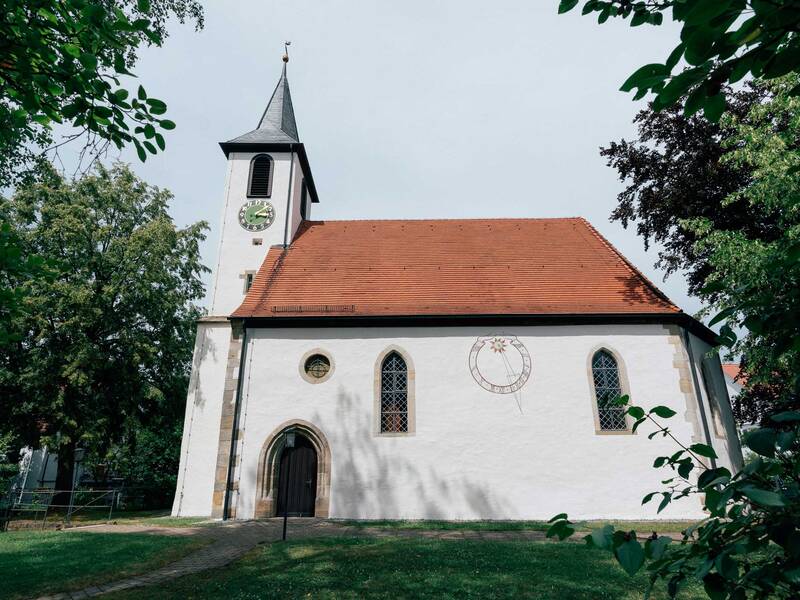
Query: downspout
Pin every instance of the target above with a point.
(288, 198)
(688, 342)
(236, 405)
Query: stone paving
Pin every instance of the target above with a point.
(232, 540)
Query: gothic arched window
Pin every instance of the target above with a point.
(607, 388)
(394, 394)
(260, 183)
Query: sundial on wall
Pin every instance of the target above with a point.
(500, 363)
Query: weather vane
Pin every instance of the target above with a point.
(286, 45)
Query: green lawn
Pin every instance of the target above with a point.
(412, 568)
(159, 518)
(641, 527)
(33, 563)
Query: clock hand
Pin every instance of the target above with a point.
(261, 213)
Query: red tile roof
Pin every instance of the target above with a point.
(732, 371)
(449, 267)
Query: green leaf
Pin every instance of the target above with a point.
(143, 5)
(663, 412)
(646, 77)
(71, 49)
(141, 93)
(558, 517)
(665, 501)
(786, 417)
(714, 585)
(761, 441)
(654, 549)
(685, 468)
(89, 61)
(703, 450)
(713, 477)
(566, 6)
(727, 567)
(714, 107)
(160, 141)
(630, 556)
(648, 497)
(560, 529)
(602, 537)
(763, 497)
(166, 124)
(722, 315)
(637, 412)
(139, 150)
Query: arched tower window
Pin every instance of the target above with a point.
(607, 388)
(260, 183)
(394, 394)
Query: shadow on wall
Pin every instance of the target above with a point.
(369, 483)
(205, 347)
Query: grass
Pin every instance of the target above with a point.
(639, 526)
(33, 563)
(413, 568)
(157, 518)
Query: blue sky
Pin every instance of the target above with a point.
(415, 109)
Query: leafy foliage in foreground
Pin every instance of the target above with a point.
(749, 546)
(61, 62)
(722, 41)
(104, 344)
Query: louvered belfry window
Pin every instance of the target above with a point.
(605, 373)
(260, 184)
(394, 394)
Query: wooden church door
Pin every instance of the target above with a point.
(297, 479)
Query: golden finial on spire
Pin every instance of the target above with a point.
(286, 51)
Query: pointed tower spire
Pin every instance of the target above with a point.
(277, 124)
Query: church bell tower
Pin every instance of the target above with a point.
(268, 193)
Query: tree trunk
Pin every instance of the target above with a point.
(65, 474)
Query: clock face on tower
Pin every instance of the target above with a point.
(256, 215)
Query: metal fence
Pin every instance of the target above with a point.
(37, 506)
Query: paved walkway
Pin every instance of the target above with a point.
(232, 540)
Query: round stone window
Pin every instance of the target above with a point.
(316, 367)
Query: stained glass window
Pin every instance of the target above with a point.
(394, 394)
(607, 389)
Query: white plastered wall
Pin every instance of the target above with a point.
(474, 454)
(720, 426)
(236, 251)
(195, 483)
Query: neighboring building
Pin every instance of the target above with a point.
(733, 382)
(445, 369)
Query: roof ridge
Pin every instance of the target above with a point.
(628, 263)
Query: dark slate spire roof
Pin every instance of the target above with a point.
(277, 124)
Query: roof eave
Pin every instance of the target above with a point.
(681, 319)
(298, 147)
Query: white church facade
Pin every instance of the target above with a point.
(429, 369)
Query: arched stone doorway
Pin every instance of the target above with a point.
(308, 439)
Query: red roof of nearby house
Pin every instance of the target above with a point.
(732, 371)
(449, 267)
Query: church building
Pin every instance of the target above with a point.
(429, 369)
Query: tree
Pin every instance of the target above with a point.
(106, 339)
(675, 170)
(748, 546)
(687, 178)
(721, 41)
(63, 61)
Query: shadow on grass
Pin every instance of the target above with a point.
(414, 568)
(37, 562)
